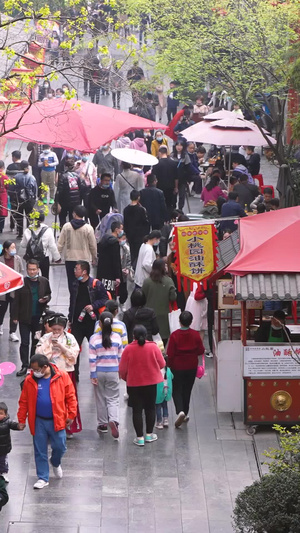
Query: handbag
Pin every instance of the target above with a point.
(158, 341)
(201, 369)
(174, 317)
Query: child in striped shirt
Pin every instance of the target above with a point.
(105, 350)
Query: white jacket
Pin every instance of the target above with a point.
(48, 241)
(144, 264)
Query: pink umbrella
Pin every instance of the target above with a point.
(218, 115)
(227, 132)
(71, 124)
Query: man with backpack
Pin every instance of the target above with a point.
(29, 304)
(70, 191)
(88, 296)
(22, 194)
(39, 242)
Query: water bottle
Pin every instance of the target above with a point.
(82, 315)
(92, 315)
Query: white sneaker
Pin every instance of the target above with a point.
(5, 477)
(1, 329)
(209, 355)
(57, 471)
(13, 337)
(40, 484)
(180, 418)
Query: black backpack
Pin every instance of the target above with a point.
(34, 248)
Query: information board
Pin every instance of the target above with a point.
(271, 361)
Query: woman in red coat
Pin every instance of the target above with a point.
(3, 196)
(140, 366)
(184, 347)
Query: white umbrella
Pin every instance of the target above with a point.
(135, 157)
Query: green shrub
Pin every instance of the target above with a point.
(287, 457)
(270, 505)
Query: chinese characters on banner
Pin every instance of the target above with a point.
(196, 251)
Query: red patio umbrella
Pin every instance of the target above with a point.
(10, 280)
(267, 243)
(71, 124)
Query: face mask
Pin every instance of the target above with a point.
(46, 85)
(146, 134)
(105, 186)
(12, 253)
(120, 234)
(47, 151)
(32, 277)
(84, 159)
(69, 154)
(26, 171)
(277, 328)
(156, 243)
(159, 139)
(80, 278)
(38, 374)
(105, 148)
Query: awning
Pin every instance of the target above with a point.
(227, 250)
(267, 287)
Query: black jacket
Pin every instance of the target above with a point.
(247, 193)
(263, 332)
(144, 316)
(136, 223)
(97, 292)
(5, 441)
(70, 189)
(154, 202)
(3, 493)
(22, 305)
(102, 199)
(109, 262)
(253, 164)
(166, 173)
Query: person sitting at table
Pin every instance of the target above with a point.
(232, 208)
(264, 198)
(273, 330)
(246, 192)
(212, 190)
(239, 169)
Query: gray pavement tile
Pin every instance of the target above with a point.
(111, 525)
(40, 528)
(220, 526)
(225, 434)
(115, 486)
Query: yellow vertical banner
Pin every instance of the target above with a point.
(196, 251)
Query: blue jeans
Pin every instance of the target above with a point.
(44, 431)
(161, 407)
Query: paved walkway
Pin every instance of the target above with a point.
(185, 482)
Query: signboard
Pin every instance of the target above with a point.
(270, 361)
(196, 250)
(227, 300)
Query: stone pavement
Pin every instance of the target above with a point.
(185, 482)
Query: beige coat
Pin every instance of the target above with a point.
(77, 244)
(64, 359)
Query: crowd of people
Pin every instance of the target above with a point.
(115, 217)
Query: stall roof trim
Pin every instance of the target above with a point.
(227, 250)
(267, 287)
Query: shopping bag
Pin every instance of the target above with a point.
(201, 369)
(158, 341)
(174, 317)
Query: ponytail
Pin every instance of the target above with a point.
(106, 320)
(140, 334)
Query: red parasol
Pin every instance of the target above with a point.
(71, 124)
(10, 280)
